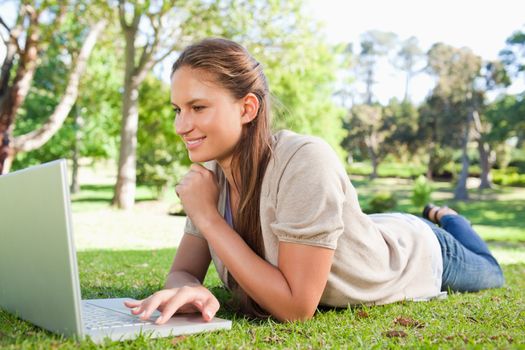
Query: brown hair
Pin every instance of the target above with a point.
(233, 68)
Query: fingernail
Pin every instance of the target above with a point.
(208, 313)
(158, 320)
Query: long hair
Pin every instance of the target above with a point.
(233, 68)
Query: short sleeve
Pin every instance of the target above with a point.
(310, 197)
(191, 229)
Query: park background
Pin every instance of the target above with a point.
(415, 113)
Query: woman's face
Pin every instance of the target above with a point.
(208, 118)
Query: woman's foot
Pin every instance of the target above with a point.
(435, 213)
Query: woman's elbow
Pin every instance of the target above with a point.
(298, 313)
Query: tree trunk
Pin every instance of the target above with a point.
(13, 99)
(375, 164)
(75, 185)
(37, 138)
(430, 161)
(460, 192)
(484, 160)
(407, 84)
(369, 82)
(125, 187)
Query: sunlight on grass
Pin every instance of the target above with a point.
(508, 256)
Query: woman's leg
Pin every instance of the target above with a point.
(459, 227)
(468, 265)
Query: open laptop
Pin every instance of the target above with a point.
(38, 267)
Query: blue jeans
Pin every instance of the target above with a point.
(468, 264)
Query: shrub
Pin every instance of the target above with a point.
(382, 202)
(421, 192)
(504, 177)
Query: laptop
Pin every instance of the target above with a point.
(39, 279)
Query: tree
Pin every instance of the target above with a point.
(493, 76)
(408, 58)
(456, 71)
(513, 55)
(365, 130)
(34, 27)
(138, 62)
(374, 45)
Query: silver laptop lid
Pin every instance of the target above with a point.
(38, 267)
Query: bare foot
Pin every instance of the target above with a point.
(436, 213)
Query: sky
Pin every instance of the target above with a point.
(481, 25)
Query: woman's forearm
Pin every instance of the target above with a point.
(178, 279)
(264, 282)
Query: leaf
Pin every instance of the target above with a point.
(175, 341)
(362, 314)
(395, 334)
(408, 322)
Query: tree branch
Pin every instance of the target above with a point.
(37, 138)
(4, 25)
(122, 15)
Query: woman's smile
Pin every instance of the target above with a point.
(193, 143)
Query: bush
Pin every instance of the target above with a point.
(421, 192)
(382, 202)
(508, 177)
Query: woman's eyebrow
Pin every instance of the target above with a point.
(189, 102)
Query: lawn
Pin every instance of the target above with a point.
(488, 319)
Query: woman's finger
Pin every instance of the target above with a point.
(185, 295)
(135, 306)
(210, 308)
(132, 303)
(151, 305)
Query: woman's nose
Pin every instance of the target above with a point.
(183, 123)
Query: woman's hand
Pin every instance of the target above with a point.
(186, 299)
(199, 194)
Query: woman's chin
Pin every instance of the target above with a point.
(196, 158)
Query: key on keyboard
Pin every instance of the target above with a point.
(98, 318)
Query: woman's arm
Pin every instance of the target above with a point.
(292, 290)
(190, 263)
(183, 291)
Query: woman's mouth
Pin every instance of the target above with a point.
(192, 144)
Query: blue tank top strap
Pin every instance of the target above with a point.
(228, 209)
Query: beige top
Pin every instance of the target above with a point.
(307, 198)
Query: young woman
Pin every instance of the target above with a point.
(279, 217)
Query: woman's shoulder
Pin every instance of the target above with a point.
(304, 155)
(287, 143)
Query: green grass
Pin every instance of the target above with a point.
(492, 318)
(94, 197)
(488, 319)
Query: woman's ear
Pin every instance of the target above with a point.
(250, 108)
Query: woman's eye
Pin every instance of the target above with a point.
(198, 108)
(176, 110)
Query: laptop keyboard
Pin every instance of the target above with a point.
(100, 318)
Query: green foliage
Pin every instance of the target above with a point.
(388, 168)
(441, 160)
(508, 177)
(513, 55)
(300, 67)
(421, 192)
(505, 116)
(162, 158)
(98, 104)
(381, 202)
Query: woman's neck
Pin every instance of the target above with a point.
(226, 166)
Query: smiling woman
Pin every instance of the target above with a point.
(279, 217)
